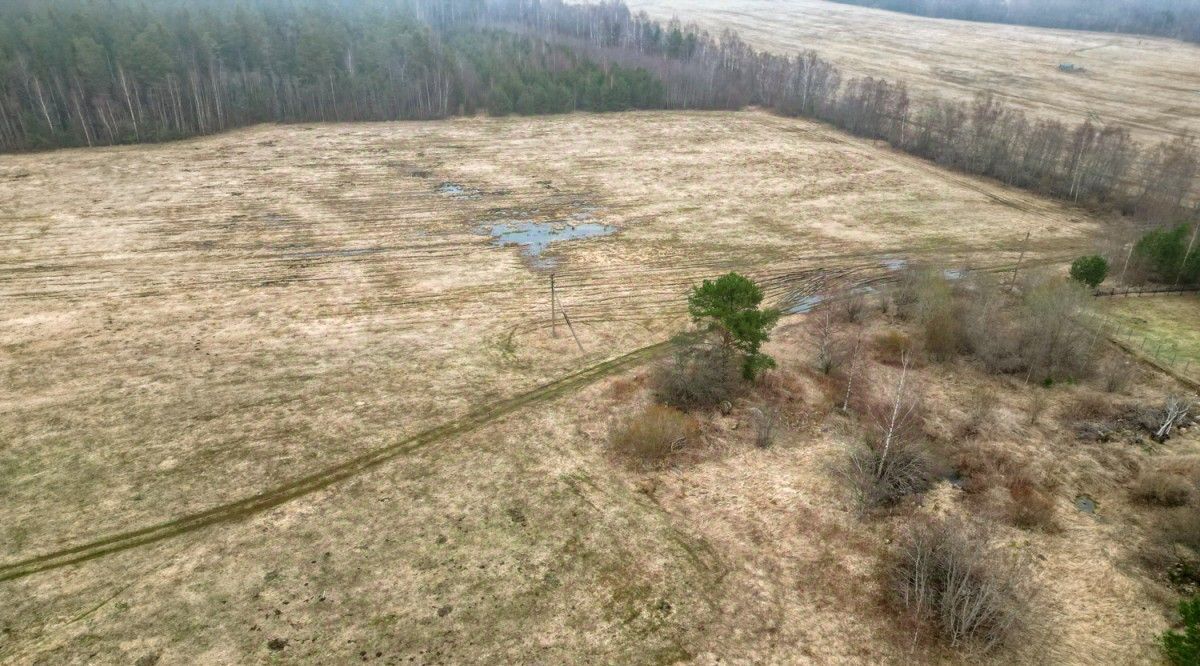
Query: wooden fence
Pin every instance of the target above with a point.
(1146, 291)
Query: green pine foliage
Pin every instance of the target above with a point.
(1183, 647)
(729, 305)
(1090, 270)
(1168, 255)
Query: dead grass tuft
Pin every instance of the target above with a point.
(1029, 507)
(1163, 489)
(624, 388)
(1090, 406)
(1182, 528)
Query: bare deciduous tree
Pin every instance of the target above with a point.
(828, 351)
(855, 355)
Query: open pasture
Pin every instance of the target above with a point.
(193, 325)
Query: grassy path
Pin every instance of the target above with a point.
(272, 497)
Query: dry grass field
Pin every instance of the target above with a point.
(290, 365)
(1150, 85)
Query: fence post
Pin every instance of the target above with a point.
(553, 314)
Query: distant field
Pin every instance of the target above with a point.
(1150, 85)
(190, 324)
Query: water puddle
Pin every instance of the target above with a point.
(805, 304)
(534, 238)
(954, 273)
(1085, 504)
(894, 264)
(456, 191)
(955, 479)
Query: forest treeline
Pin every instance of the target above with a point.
(92, 72)
(1086, 163)
(1179, 19)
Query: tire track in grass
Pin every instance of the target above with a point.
(305, 485)
(792, 286)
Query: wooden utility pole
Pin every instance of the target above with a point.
(1187, 255)
(1128, 256)
(1024, 246)
(568, 320)
(553, 312)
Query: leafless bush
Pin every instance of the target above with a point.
(698, 377)
(927, 298)
(1057, 344)
(1114, 373)
(1039, 333)
(891, 347)
(896, 413)
(1089, 406)
(943, 331)
(828, 350)
(983, 466)
(918, 290)
(1163, 489)
(947, 575)
(765, 418)
(893, 464)
(652, 436)
(979, 409)
(852, 308)
(881, 478)
(1039, 400)
(990, 331)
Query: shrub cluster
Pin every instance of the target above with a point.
(1037, 331)
(699, 376)
(653, 435)
(883, 477)
(947, 576)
